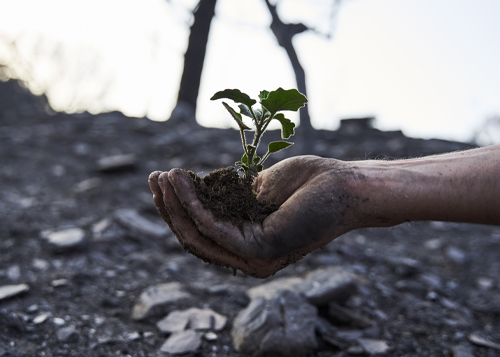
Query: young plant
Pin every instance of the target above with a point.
(271, 104)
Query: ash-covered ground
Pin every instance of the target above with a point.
(80, 241)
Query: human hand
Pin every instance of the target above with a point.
(315, 207)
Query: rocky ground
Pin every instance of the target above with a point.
(87, 268)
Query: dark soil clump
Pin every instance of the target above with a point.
(230, 197)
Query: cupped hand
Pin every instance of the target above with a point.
(315, 207)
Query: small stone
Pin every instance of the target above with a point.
(65, 333)
(32, 308)
(65, 238)
(7, 291)
(40, 264)
(481, 341)
(355, 350)
(41, 318)
(405, 267)
(58, 321)
(433, 244)
(283, 325)
(14, 272)
(194, 319)
(132, 336)
(59, 282)
(372, 346)
(117, 163)
(131, 219)
(461, 351)
(182, 342)
(87, 185)
(456, 254)
(156, 295)
(210, 336)
(485, 283)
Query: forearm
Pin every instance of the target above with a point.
(459, 187)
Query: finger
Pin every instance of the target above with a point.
(201, 246)
(158, 197)
(225, 234)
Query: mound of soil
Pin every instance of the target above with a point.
(230, 197)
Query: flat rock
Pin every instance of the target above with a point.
(319, 287)
(373, 347)
(65, 238)
(281, 326)
(272, 289)
(345, 315)
(117, 163)
(182, 342)
(156, 295)
(131, 219)
(7, 291)
(322, 286)
(194, 319)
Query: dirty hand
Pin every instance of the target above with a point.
(314, 208)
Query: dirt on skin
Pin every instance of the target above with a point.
(230, 197)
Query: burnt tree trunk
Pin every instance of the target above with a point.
(284, 34)
(193, 62)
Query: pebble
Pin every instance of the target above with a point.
(65, 333)
(117, 163)
(156, 295)
(131, 219)
(41, 318)
(455, 254)
(210, 336)
(40, 264)
(285, 323)
(7, 291)
(481, 341)
(373, 347)
(65, 238)
(58, 321)
(14, 272)
(87, 185)
(182, 342)
(194, 319)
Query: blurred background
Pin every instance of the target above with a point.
(429, 68)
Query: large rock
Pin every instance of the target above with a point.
(281, 326)
(319, 287)
(156, 295)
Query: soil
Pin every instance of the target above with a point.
(230, 197)
(427, 286)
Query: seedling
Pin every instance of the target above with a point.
(271, 104)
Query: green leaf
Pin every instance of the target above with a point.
(245, 110)
(287, 126)
(235, 95)
(256, 159)
(236, 116)
(263, 95)
(259, 168)
(281, 99)
(244, 159)
(276, 146)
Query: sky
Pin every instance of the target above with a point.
(427, 67)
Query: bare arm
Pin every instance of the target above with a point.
(321, 199)
(458, 187)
